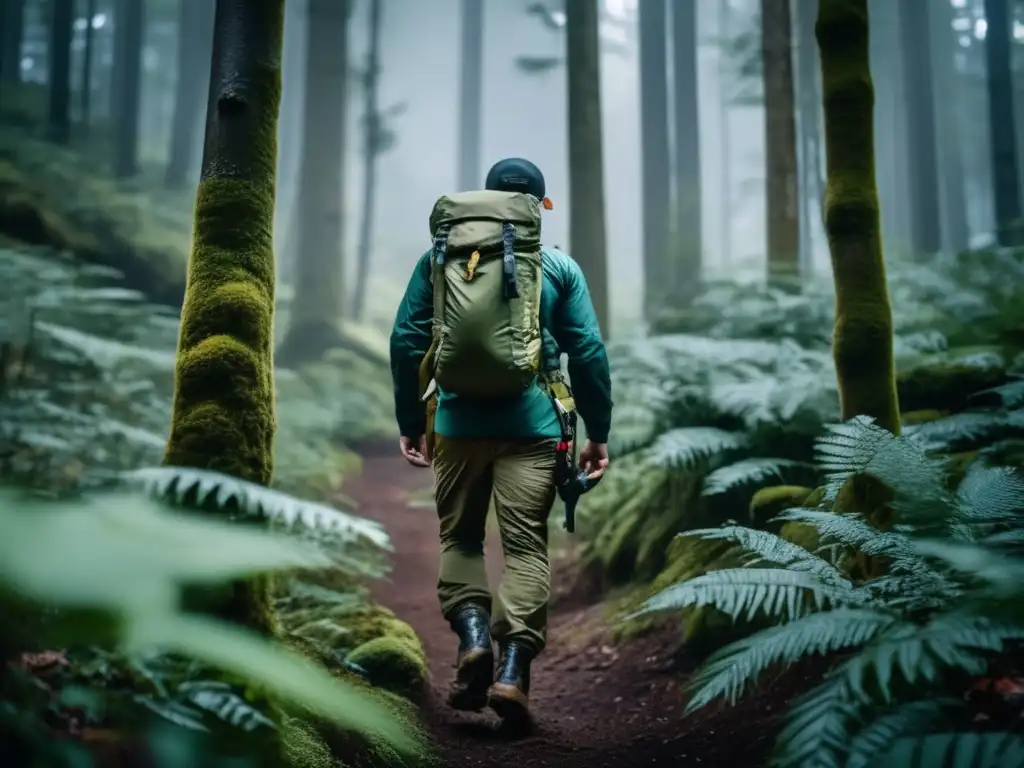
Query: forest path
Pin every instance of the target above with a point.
(596, 705)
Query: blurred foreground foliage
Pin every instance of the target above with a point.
(100, 543)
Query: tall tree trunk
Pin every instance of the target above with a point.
(223, 413)
(62, 16)
(372, 133)
(892, 155)
(725, 139)
(129, 29)
(195, 27)
(587, 233)
(948, 139)
(783, 208)
(923, 171)
(471, 85)
(688, 238)
(863, 335)
(654, 150)
(12, 31)
(85, 95)
(812, 182)
(1005, 165)
(318, 311)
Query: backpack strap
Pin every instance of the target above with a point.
(508, 240)
(437, 259)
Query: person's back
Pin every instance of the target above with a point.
(501, 449)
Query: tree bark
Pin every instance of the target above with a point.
(371, 151)
(223, 412)
(129, 28)
(471, 85)
(948, 138)
(863, 335)
(725, 118)
(812, 182)
(12, 31)
(195, 22)
(655, 169)
(782, 190)
(688, 236)
(1001, 120)
(318, 311)
(587, 233)
(85, 95)
(923, 171)
(61, 19)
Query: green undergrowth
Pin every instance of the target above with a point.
(86, 370)
(716, 418)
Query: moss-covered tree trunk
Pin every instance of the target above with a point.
(782, 190)
(223, 417)
(318, 309)
(587, 235)
(62, 16)
(862, 341)
(195, 19)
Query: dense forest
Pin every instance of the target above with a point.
(801, 226)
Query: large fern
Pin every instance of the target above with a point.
(944, 605)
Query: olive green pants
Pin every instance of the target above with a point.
(519, 475)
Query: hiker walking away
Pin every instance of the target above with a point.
(478, 393)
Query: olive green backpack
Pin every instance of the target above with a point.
(486, 276)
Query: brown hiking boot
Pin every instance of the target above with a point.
(475, 662)
(509, 696)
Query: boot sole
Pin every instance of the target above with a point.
(472, 679)
(509, 703)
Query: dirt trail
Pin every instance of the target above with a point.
(597, 705)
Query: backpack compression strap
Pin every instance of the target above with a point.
(508, 240)
(437, 267)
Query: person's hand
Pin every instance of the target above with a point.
(594, 459)
(414, 450)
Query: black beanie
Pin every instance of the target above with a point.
(514, 174)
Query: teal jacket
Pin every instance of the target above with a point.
(569, 325)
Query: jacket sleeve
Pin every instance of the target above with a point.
(578, 335)
(410, 340)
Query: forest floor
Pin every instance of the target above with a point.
(596, 703)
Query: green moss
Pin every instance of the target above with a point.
(802, 535)
(356, 751)
(924, 416)
(863, 333)
(768, 503)
(303, 746)
(944, 381)
(394, 664)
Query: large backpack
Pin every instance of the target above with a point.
(486, 276)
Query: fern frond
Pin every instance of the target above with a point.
(728, 671)
(734, 591)
(847, 448)
(1009, 395)
(687, 446)
(991, 495)
(903, 720)
(770, 548)
(747, 471)
(818, 727)
(954, 750)
(967, 428)
(918, 654)
(180, 483)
